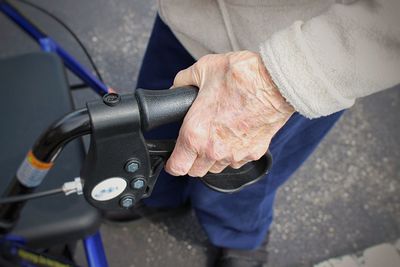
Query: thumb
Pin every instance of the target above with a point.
(185, 77)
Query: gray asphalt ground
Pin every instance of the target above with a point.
(344, 199)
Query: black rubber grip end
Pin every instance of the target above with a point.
(159, 107)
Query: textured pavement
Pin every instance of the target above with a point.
(387, 255)
(345, 199)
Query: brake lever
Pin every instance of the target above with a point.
(230, 180)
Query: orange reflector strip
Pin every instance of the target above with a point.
(37, 163)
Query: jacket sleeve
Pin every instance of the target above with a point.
(322, 65)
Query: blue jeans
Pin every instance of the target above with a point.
(240, 220)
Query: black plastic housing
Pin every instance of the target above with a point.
(116, 139)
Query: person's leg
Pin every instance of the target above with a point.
(241, 220)
(238, 220)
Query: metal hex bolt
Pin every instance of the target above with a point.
(127, 202)
(132, 166)
(138, 183)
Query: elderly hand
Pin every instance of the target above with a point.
(234, 117)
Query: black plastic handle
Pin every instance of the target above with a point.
(159, 107)
(232, 180)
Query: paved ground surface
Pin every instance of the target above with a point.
(380, 255)
(343, 200)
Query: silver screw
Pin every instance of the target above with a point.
(132, 166)
(127, 202)
(138, 183)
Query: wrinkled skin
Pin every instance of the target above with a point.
(234, 117)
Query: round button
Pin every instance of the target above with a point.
(111, 99)
(109, 189)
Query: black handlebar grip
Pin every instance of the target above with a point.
(159, 107)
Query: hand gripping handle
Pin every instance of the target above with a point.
(158, 107)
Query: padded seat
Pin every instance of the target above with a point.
(34, 93)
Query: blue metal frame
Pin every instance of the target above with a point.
(95, 255)
(47, 44)
(94, 250)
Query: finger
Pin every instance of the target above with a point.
(238, 165)
(200, 167)
(181, 159)
(185, 77)
(219, 167)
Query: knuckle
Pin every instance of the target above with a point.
(190, 138)
(211, 154)
(214, 154)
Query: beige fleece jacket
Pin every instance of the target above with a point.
(322, 54)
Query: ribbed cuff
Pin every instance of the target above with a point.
(298, 77)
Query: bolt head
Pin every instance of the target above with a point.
(111, 99)
(138, 183)
(127, 202)
(132, 166)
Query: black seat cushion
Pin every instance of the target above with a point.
(34, 94)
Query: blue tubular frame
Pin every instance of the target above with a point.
(47, 44)
(94, 250)
(93, 245)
